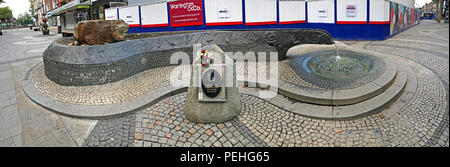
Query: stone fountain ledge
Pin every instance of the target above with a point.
(101, 64)
(404, 86)
(88, 108)
(397, 81)
(343, 96)
(393, 87)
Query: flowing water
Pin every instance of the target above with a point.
(337, 52)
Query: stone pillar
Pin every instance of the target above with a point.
(213, 96)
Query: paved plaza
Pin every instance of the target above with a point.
(418, 118)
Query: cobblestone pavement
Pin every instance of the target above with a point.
(260, 122)
(111, 93)
(116, 132)
(426, 44)
(422, 121)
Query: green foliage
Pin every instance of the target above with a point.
(5, 13)
(31, 10)
(25, 19)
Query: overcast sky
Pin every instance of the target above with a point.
(421, 2)
(17, 6)
(22, 6)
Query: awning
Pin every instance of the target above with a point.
(68, 6)
(64, 8)
(104, 2)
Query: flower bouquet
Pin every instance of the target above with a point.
(45, 30)
(203, 59)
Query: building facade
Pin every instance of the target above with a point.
(343, 19)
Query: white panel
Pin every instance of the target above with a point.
(292, 10)
(387, 8)
(326, 6)
(260, 11)
(230, 11)
(111, 14)
(358, 14)
(154, 14)
(130, 15)
(378, 10)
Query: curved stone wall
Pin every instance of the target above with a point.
(101, 64)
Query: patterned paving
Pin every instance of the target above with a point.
(262, 123)
(102, 94)
(422, 121)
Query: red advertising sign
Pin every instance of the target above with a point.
(186, 13)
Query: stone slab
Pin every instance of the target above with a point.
(387, 78)
(390, 64)
(59, 138)
(375, 104)
(15, 141)
(7, 98)
(9, 122)
(6, 81)
(411, 84)
(78, 129)
(304, 94)
(356, 95)
(311, 110)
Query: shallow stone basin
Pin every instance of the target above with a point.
(330, 70)
(345, 66)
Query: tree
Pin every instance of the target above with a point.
(1, 1)
(31, 7)
(5, 14)
(25, 19)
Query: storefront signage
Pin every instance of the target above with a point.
(223, 13)
(322, 12)
(111, 14)
(186, 13)
(83, 6)
(350, 11)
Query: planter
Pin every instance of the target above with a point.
(45, 32)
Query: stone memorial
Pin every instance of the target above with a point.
(213, 96)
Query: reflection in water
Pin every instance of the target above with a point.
(336, 66)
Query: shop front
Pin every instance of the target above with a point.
(70, 14)
(99, 7)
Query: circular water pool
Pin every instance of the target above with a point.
(346, 66)
(327, 69)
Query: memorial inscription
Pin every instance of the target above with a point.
(212, 83)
